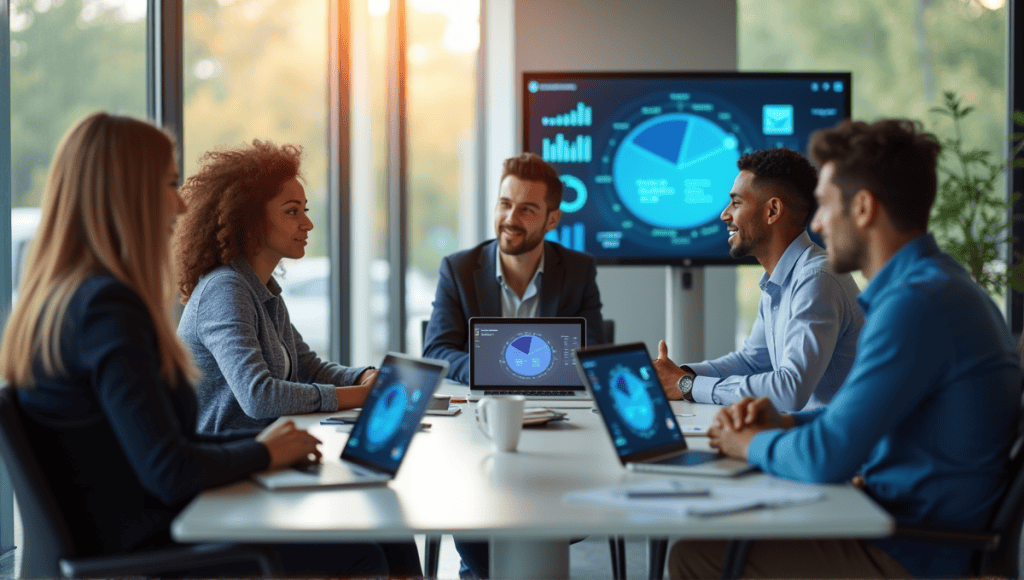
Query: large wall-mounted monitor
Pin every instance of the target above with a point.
(648, 159)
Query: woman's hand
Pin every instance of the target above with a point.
(368, 377)
(289, 445)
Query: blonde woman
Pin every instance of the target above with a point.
(102, 380)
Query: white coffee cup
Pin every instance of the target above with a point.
(501, 420)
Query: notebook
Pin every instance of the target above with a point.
(380, 437)
(526, 356)
(638, 416)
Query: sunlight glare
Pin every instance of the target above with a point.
(462, 35)
(378, 7)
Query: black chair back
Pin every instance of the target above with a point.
(1008, 519)
(46, 538)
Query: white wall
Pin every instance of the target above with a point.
(596, 35)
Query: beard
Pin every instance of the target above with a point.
(526, 244)
(845, 253)
(741, 249)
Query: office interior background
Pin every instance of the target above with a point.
(406, 108)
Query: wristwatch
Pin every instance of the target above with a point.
(685, 385)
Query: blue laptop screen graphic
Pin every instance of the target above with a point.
(627, 392)
(393, 411)
(525, 355)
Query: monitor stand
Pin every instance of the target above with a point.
(684, 324)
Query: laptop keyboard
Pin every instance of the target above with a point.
(532, 393)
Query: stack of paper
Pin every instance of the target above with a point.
(686, 498)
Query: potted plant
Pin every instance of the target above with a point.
(969, 218)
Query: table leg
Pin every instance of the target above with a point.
(529, 558)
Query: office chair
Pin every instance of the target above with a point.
(48, 551)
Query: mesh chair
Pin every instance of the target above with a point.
(48, 551)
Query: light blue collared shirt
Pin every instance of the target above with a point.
(803, 342)
(512, 306)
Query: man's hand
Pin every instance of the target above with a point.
(736, 425)
(668, 373)
(749, 411)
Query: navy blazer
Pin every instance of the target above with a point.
(467, 287)
(117, 446)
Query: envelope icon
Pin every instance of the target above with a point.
(778, 120)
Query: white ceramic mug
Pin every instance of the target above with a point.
(501, 420)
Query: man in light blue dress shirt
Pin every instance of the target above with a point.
(926, 418)
(804, 340)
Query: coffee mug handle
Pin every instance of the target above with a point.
(481, 417)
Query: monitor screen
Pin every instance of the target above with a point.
(648, 159)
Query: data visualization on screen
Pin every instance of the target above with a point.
(648, 159)
(626, 389)
(530, 353)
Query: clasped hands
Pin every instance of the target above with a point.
(735, 426)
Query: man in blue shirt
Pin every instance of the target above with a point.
(925, 419)
(804, 340)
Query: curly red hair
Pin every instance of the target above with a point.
(225, 201)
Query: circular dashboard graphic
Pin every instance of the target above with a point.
(528, 356)
(676, 170)
(386, 416)
(632, 402)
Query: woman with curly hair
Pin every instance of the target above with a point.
(247, 211)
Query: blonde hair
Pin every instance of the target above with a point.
(104, 211)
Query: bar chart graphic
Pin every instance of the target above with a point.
(572, 237)
(581, 116)
(561, 150)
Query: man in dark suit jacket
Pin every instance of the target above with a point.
(516, 275)
(534, 277)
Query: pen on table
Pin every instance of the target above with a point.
(730, 511)
(686, 414)
(667, 494)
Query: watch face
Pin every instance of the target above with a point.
(686, 384)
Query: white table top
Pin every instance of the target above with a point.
(451, 482)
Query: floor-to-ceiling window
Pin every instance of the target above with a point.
(257, 69)
(442, 38)
(69, 58)
(904, 54)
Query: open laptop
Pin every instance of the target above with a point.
(639, 419)
(526, 356)
(380, 437)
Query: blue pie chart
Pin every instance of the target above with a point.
(386, 415)
(632, 402)
(528, 355)
(676, 170)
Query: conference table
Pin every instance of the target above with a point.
(453, 482)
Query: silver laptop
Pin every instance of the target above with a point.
(526, 356)
(638, 416)
(380, 437)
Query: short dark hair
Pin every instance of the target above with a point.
(530, 167)
(789, 173)
(894, 159)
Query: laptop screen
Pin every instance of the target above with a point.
(392, 412)
(525, 352)
(629, 397)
